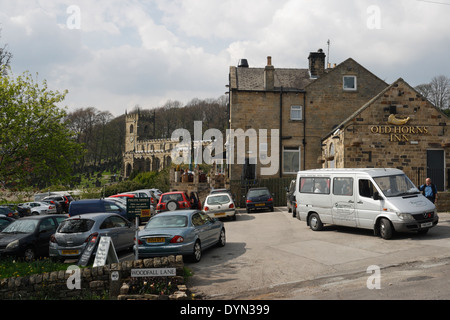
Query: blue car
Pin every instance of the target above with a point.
(181, 232)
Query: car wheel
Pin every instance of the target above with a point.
(172, 205)
(197, 254)
(35, 213)
(222, 238)
(385, 229)
(315, 223)
(29, 254)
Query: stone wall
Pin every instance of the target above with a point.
(95, 281)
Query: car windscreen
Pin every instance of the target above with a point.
(258, 193)
(76, 225)
(21, 226)
(161, 221)
(396, 185)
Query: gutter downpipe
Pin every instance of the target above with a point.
(280, 174)
(304, 131)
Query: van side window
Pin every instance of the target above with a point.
(365, 188)
(315, 185)
(343, 186)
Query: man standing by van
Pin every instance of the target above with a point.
(429, 190)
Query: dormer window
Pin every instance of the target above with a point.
(349, 83)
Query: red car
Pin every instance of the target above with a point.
(175, 200)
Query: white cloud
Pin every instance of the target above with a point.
(147, 52)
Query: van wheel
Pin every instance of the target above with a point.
(315, 223)
(386, 229)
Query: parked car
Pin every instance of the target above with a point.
(7, 211)
(64, 200)
(58, 206)
(5, 221)
(184, 232)
(290, 198)
(146, 193)
(80, 207)
(157, 193)
(220, 205)
(38, 208)
(75, 233)
(123, 196)
(259, 198)
(171, 201)
(28, 237)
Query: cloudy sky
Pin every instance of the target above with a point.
(113, 54)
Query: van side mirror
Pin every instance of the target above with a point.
(376, 196)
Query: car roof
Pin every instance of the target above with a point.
(93, 216)
(44, 216)
(218, 194)
(177, 213)
(173, 192)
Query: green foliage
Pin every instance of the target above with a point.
(143, 180)
(34, 139)
(10, 267)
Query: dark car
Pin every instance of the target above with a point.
(7, 211)
(258, 199)
(290, 198)
(29, 237)
(5, 221)
(59, 208)
(79, 207)
(64, 200)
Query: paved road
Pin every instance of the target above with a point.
(270, 255)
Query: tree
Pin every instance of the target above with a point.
(36, 146)
(5, 59)
(437, 91)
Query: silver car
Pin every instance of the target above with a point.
(75, 233)
(37, 207)
(220, 205)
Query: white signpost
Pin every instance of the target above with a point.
(105, 252)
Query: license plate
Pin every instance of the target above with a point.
(70, 252)
(260, 205)
(156, 240)
(426, 224)
(219, 214)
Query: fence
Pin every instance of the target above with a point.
(277, 187)
(437, 177)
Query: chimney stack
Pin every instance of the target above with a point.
(269, 75)
(316, 63)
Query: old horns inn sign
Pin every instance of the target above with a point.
(398, 130)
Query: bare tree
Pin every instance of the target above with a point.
(437, 91)
(5, 60)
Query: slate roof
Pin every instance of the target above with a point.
(252, 79)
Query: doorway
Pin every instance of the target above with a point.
(436, 168)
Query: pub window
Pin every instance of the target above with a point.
(296, 113)
(291, 159)
(349, 83)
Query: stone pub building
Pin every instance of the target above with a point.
(340, 116)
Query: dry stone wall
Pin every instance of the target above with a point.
(94, 282)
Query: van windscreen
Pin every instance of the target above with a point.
(396, 185)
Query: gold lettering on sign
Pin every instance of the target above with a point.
(399, 132)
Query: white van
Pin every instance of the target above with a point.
(384, 200)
